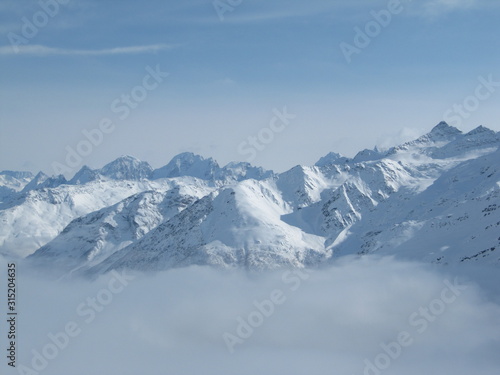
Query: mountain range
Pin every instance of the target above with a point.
(434, 199)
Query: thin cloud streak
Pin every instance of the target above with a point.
(41, 50)
(434, 8)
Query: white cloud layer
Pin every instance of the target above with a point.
(41, 50)
(329, 323)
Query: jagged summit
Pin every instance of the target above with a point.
(440, 133)
(239, 171)
(480, 138)
(368, 155)
(126, 168)
(85, 175)
(41, 180)
(192, 165)
(328, 159)
(443, 130)
(481, 130)
(188, 164)
(443, 127)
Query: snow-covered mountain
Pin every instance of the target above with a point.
(35, 209)
(456, 219)
(97, 235)
(434, 199)
(238, 225)
(189, 164)
(126, 168)
(31, 219)
(41, 180)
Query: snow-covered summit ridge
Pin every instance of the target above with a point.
(126, 168)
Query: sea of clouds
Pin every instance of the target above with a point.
(360, 316)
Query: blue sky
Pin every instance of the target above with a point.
(226, 77)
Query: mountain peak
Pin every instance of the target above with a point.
(41, 180)
(188, 164)
(368, 155)
(188, 154)
(481, 130)
(84, 175)
(328, 159)
(241, 171)
(188, 157)
(126, 168)
(127, 157)
(444, 130)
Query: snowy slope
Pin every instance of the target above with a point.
(302, 186)
(235, 226)
(364, 186)
(30, 220)
(96, 236)
(456, 219)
